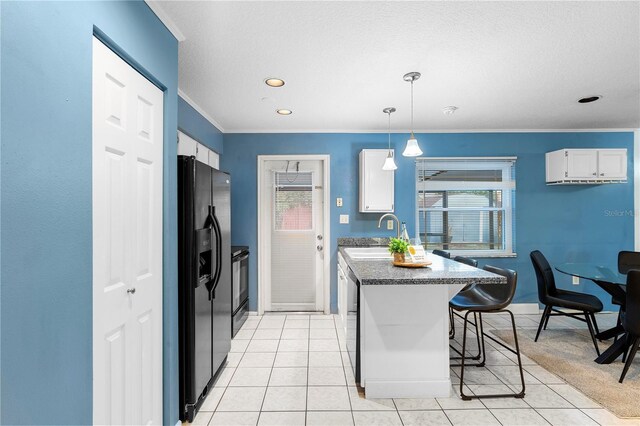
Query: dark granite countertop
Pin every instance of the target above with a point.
(441, 271)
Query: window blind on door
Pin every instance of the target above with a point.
(293, 203)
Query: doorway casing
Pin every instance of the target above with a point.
(264, 267)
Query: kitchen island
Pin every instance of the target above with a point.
(396, 320)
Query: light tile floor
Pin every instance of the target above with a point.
(293, 370)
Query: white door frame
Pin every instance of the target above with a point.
(263, 266)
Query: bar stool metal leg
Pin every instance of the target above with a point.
(519, 394)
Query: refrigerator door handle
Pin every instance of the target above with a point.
(218, 234)
(210, 223)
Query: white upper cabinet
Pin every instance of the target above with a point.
(612, 163)
(376, 185)
(582, 163)
(186, 145)
(214, 160)
(191, 147)
(586, 166)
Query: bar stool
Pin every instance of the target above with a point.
(484, 299)
(441, 253)
(452, 326)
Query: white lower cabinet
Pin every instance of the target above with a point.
(342, 293)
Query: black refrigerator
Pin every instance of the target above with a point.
(204, 279)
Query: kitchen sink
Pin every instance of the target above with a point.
(368, 253)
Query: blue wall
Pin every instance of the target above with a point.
(199, 128)
(567, 223)
(46, 306)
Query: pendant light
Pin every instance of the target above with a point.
(412, 149)
(389, 164)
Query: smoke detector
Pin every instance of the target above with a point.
(449, 110)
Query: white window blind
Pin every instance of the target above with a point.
(466, 205)
(293, 204)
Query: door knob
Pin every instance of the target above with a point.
(319, 237)
(319, 248)
(131, 290)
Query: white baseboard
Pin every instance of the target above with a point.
(253, 312)
(178, 423)
(408, 389)
(524, 308)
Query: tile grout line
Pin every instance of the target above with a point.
(353, 418)
(266, 389)
(227, 386)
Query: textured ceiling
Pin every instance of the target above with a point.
(506, 65)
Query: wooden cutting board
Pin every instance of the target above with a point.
(411, 264)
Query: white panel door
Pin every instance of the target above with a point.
(295, 227)
(582, 163)
(127, 243)
(612, 163)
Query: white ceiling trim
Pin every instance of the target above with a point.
(154, 5)
(618, 130)
(201, 111)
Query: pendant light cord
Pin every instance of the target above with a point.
(411, 107)
(389, 130)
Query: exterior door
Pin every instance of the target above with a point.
(127, 243)
(294, 225)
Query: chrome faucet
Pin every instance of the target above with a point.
(394, 217)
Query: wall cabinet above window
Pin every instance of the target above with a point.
(586, 166)
(376, 185)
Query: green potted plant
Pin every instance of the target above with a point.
(398, 248)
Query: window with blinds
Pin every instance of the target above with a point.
(466, 205)
(293, 204)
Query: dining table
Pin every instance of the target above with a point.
(614, 283)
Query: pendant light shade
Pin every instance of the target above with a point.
(389, 163)
(412, 149)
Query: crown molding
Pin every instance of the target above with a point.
(200, 110)
(155, 7)
(599, 130)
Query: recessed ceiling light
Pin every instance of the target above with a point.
(589, 99)
(274, 82)
(284, 111)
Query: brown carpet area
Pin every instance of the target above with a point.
(569, 354)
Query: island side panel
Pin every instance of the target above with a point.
(405, 340)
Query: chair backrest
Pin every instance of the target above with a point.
(500, 293)
(544, 275)
(442, 253)
(632, 316)
(628, 260)
(466, 261)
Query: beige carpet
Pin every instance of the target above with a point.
(569, 354)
